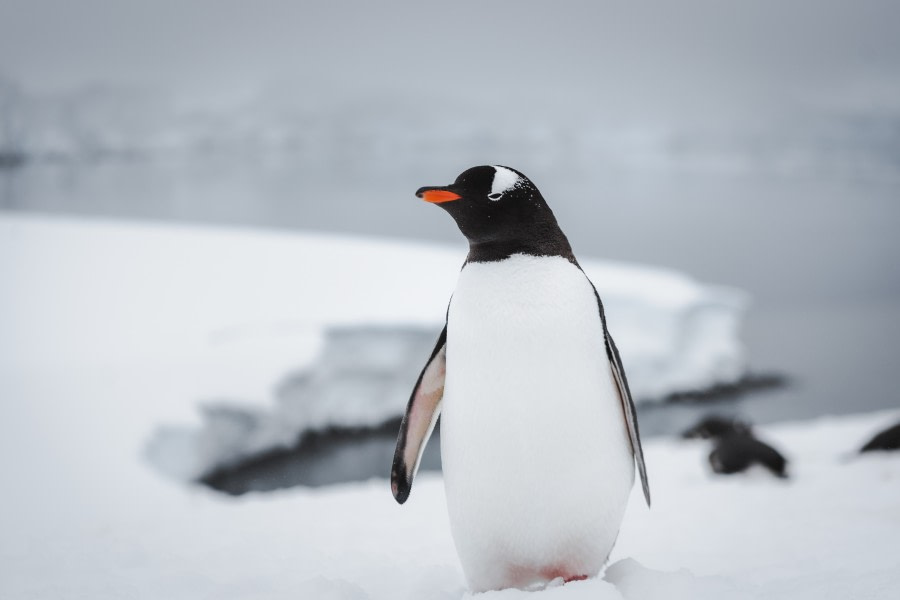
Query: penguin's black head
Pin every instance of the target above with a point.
(501, 213)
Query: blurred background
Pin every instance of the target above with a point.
(751, 145)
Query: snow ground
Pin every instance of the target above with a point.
(83, 516)
(104, 339)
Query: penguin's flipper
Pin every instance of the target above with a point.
(629, 410)
(422, 413)
(618, 371)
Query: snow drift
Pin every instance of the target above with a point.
(352, 319)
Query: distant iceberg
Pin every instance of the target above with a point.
(104, 121)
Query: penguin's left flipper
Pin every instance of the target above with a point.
(618, 371)
(422, 413)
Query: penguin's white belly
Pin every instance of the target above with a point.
(536, 459)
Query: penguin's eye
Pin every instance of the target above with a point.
(495, 195)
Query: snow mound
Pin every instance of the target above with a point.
(353, 319)
(246, 298)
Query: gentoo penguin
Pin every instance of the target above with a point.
(538, 433)
(735, 448)
(889, 439)
(736, 452)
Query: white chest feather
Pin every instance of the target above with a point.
(536, 460)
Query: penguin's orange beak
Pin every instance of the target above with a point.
(437, 195)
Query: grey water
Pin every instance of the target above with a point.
(817, 250)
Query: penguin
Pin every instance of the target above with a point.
(737, 452)
(735, 448)
(539, 435)
(889, 439)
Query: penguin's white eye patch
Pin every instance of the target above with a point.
(504, 179)
(495, 195)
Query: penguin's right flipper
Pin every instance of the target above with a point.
(422, 413)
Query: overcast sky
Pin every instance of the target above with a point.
(656, 58)
(638, 64)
